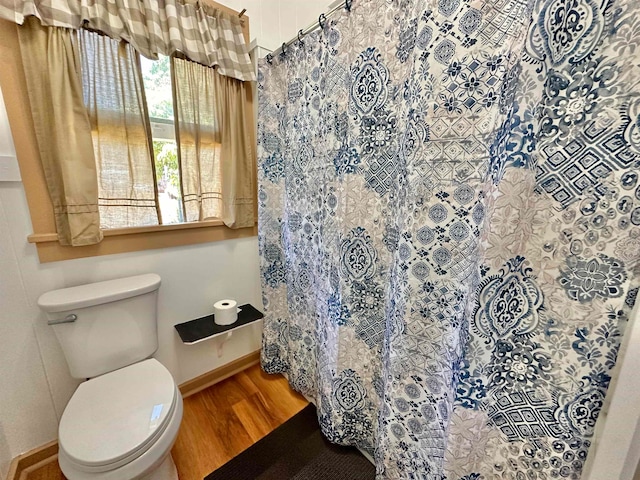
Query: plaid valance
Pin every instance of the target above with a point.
(204, 34)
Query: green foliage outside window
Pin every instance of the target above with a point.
(167, 165)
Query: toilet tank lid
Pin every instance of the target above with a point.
(91, 294)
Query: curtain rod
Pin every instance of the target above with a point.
(321, 22)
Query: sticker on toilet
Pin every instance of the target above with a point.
(155, 416)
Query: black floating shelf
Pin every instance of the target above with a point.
(204, 328)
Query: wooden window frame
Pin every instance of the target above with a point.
(116, 240)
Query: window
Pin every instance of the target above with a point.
(145, 176)
(118, 239)
(157, 84)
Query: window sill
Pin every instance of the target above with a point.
(122, 240)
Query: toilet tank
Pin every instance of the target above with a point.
(116, 323)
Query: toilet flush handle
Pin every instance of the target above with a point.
(72, 317)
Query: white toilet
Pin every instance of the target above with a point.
(122, 422)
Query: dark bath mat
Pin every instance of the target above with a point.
(296, 450)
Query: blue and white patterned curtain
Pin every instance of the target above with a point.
(450, 228)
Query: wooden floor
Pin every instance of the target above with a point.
(222, 421)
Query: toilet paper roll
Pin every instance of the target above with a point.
(225, 312)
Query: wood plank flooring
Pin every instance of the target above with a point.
(222, 421)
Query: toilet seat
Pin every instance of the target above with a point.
(116, 417)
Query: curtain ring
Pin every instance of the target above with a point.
(322, 21)
(269, 58)
(300, 37)
(347, 5)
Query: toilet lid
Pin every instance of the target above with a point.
(117, 414)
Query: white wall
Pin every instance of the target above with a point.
(34, 381)
(23, 383)
(272, 22)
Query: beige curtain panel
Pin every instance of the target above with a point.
(204, 34)
(52, 69)
(115, 101)
(214, 135)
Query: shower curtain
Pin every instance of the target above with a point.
(449, 228)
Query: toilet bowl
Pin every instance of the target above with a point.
(106, 435)
(122, 422)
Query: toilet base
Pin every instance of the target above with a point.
(166, 471)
